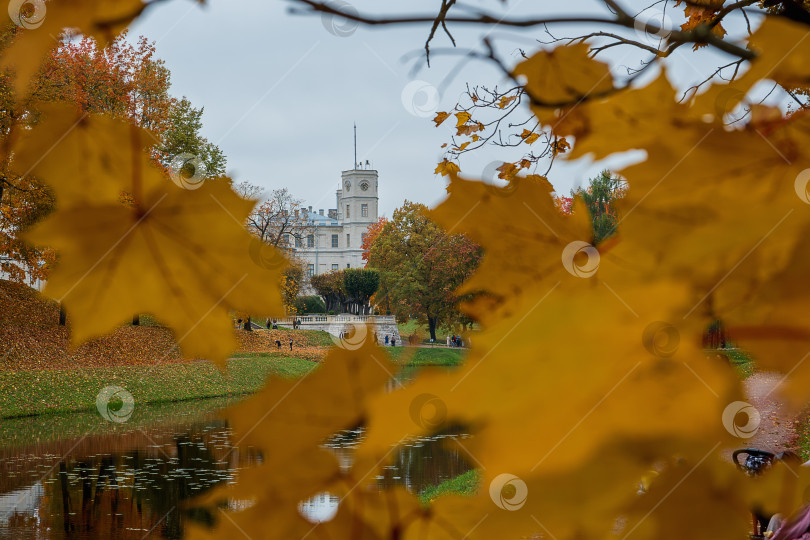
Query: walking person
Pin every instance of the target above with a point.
(290, 343)
(448, 340)
(278, 344)
(386, 339)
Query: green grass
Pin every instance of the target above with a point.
(741, 361)
(803, 436)
(466, 484)
(315, 338)
(408, 328)
(25, 430)
(408, 356)
(24, 393)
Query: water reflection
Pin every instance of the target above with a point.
(421, 463)
(78, 477)
(130, 486)
(322, 507)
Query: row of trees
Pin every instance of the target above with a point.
(347, 291)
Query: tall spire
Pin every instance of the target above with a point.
(355, 146)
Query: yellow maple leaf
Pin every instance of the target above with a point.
(462, 118)
(779, 59)
(505, 101)
(116, 260)
(623, 121)
(563, 76)
(291, 437)
(446, 167)
(561, 145)
(66, 142)
(529, 137)
(96, 18)
(440, 117)
(507, 171)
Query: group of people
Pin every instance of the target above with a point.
(278, 344)
(271, 323)
(389, 339)
(454, 341)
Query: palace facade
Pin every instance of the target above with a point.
(334, 238)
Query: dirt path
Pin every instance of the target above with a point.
(776, 432)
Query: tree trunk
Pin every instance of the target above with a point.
(63, 481)
(62, 314)
(432, 326)
(136, 320)
(247, 325)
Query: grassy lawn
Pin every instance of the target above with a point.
(418, 356)
(466, 484)
(408, 328)
(25, 393)
(315, 338)
(741, 361)
(29, 392)
(803, 432)
(25, 430)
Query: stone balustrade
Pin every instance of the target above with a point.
(381, 325)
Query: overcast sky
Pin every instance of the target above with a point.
(282, 91)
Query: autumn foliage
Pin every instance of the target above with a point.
(587, 378)
(421, 266)
(372, 233)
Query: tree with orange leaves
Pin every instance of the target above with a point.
(372, 233)
(122, 80)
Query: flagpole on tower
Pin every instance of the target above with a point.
(355, 146)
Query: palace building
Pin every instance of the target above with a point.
(334, 240)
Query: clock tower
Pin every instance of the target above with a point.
(357, 199)
(357, 208)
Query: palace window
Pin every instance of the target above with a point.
(348, 265)
(364, 210)
(298, 241)
(286, 240)
(334, 267)
(348, 211)
(348, 240)
(311, 241)
(363, 238)
(310, 270)
(334, 240)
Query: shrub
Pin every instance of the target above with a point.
(306, 305)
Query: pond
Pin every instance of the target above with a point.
(77, 476)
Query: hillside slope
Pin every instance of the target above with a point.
(31, 338)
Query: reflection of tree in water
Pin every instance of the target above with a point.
(425, 462)
(418, 464)
(128, 494)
